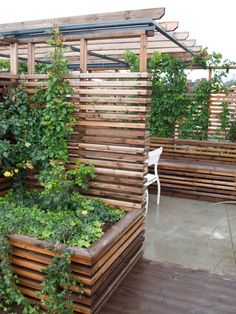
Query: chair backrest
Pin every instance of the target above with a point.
(154, 156)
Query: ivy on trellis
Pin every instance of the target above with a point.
(172, 103)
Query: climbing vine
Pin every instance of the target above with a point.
(172, 103)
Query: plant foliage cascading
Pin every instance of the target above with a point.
(172, 103)
(36, 138)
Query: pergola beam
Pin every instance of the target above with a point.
(82, 27)
(153, 13)
(105, 34)
(106, 37)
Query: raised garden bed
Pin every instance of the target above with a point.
(99, 268)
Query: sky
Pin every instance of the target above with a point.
(211, 22)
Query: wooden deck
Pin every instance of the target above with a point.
(161, 288)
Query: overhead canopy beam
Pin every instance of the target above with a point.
(126, 27)
(153, 13)
(157, 37)
(84, 27)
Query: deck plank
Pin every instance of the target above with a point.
(163, 288)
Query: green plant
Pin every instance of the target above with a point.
(194, 122)
(56, 288)
(231, 134)
(40, 68)
(172, 104)
(224, 117)
(169, 91)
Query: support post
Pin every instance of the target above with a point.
(209, 74)
(143, 53)
(14, 59)
(83, 55)
(31, 58)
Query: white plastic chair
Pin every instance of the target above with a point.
(153, 159)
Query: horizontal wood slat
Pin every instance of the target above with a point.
(216, 106)
(100, 268)
(197, 169)
(111, 132)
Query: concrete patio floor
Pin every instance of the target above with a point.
(191, 233)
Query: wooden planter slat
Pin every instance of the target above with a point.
(100, 268)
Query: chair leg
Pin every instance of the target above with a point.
(147, 197)
(158, 190)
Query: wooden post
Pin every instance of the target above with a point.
(83, 55)
(14, 59)
(143, 53)
(209, 74)
(209, 99)
(31, 58)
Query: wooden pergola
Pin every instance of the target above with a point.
(111, 104)
(97, 41)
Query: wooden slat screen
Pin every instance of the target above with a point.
(111, 132)
(216, 107)
(202, 151)
(216, 104)
(197, 169)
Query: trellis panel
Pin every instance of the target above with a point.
(110, 132)
(216, 105)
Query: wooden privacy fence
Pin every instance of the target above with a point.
(197, 169)
(217, 103)
(220, 104)
(111, 132)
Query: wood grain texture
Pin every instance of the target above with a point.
(164, 288)
(197, 169)
(152, 13)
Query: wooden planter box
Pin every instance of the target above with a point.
(100, 268)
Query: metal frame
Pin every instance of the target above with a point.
(93, 28)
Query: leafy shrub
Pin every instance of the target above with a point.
(80, 226)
